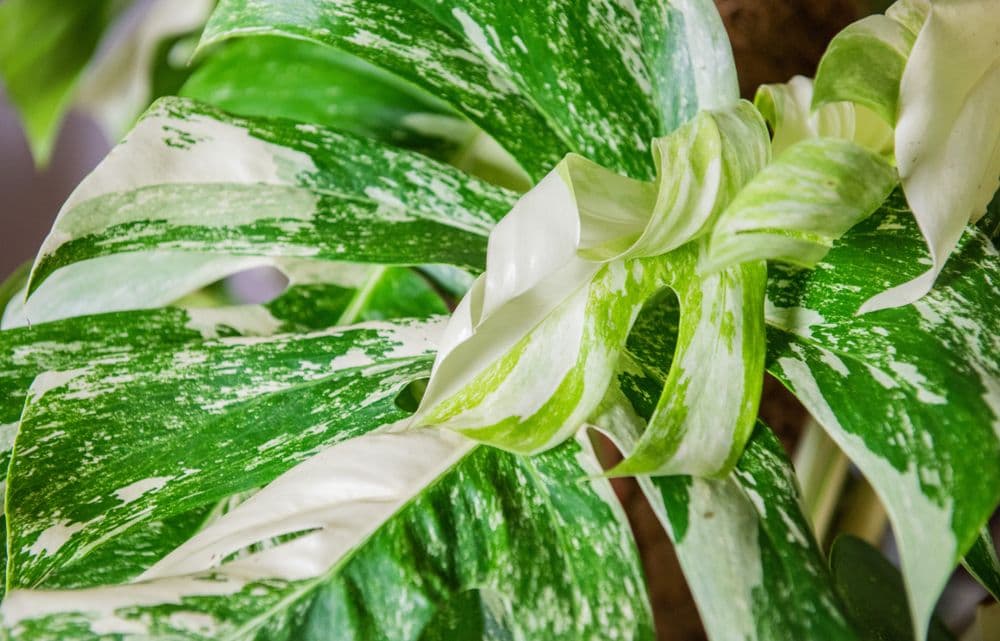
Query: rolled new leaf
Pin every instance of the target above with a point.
(932, 69)
(788, 110)
(797, 206)
(530, 351)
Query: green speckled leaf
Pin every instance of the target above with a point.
(911, 395)
(981, 562)
(408, 42)
(280, 398)
(604, 111)
(189, 177)
(458, 538)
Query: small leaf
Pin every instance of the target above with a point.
(981, 562)
(874, 593)
(45, 45)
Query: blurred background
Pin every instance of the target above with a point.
(772, 40)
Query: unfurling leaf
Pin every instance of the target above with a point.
(529, 352)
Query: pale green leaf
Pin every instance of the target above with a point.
(798, 205)
(189, 177)
(912, 394)
(864, 62)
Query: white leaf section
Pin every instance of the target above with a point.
(948, 133)
(339, 493)
(788, 108)
(119, 282)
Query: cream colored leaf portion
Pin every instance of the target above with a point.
(948, 134)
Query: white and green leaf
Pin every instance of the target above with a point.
(281, 398)
(459, 539)
(906, 393)
(931, 69)
(405, 40)
(192, 178)
(568, 271)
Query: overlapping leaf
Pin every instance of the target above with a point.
(568, 270)
(403, 39)
(746, 548)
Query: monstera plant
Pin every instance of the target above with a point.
(507, 227)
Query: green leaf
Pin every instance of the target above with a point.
(269, 188)
(874, 593)
(308, 82)
(981, 562)
(408, 42)
(798, 205)
(605, 111)
(906, 393)
(44, 47)
(365, 555)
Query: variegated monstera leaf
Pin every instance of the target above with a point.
(322, 465)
